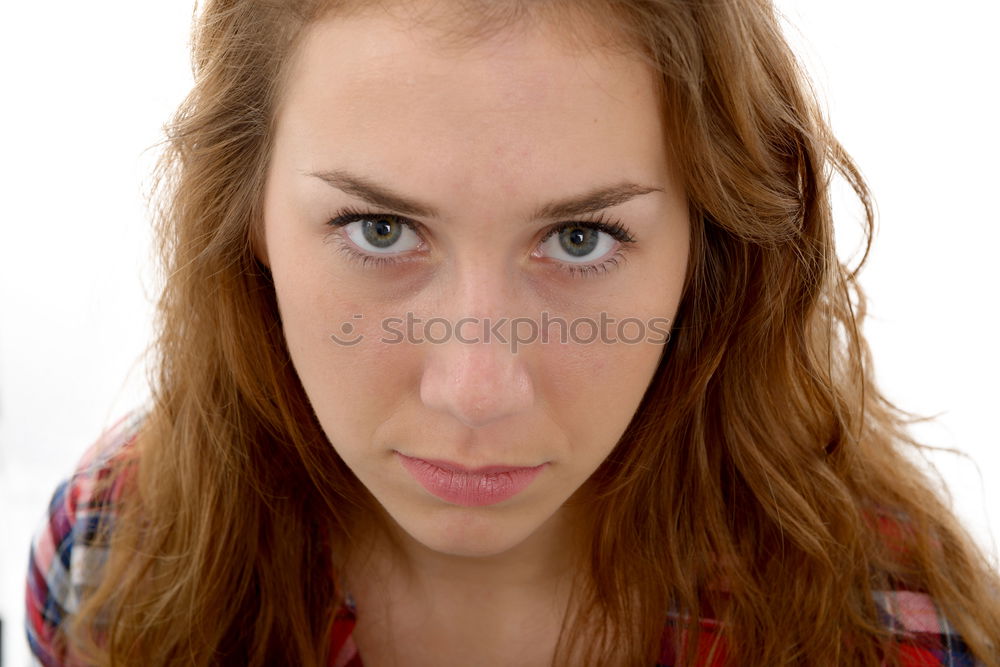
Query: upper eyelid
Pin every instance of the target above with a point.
(357, 215)
(596, 220)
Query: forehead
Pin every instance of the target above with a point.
(383, 91)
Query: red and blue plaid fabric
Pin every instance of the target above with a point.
(66, 560)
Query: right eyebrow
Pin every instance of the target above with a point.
(375, 194)
(384, 197)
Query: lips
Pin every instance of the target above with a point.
(469, 487)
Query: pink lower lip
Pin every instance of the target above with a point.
(484, 486)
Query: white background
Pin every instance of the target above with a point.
(909, 86)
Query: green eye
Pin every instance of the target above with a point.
(382, 235)
(579, 241)
(381, 232)
(576, 244)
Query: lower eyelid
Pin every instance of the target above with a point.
(367, 260)
(601, 268)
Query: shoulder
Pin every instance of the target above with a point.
(66, 555)
(924, 635)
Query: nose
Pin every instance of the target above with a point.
(477, 383)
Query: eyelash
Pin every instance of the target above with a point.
(612, 227)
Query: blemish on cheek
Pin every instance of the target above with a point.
(598, 364)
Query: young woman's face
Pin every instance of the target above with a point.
(479, 176)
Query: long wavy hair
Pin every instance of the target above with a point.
(762, 455)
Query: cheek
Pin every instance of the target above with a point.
(351, 378)
(594, 390)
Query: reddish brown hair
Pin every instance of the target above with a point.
(762, 456)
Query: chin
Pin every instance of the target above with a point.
(464, 532)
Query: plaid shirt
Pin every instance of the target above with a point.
(65, 561)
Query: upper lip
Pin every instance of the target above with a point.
(457, 467)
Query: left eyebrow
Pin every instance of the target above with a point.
(593, 201)
(384, 197)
